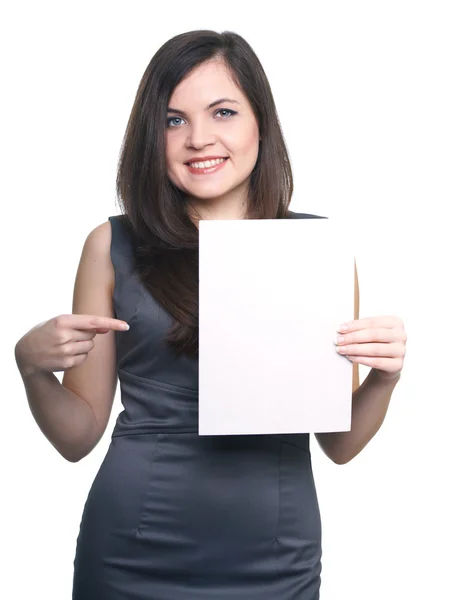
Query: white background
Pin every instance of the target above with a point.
(366, 95)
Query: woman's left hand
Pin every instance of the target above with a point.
(377, 342)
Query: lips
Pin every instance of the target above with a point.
(196, 159)
(207, 170)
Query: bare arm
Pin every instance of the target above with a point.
(73, 414)
(65, 418)
(370, 403)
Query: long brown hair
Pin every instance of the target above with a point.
(165, 238)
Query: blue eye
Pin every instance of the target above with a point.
(225, 113)
(171, 121)
(228, 112)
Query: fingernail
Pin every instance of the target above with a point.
(343, 327)
(125, 326)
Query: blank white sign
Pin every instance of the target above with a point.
(272, 294)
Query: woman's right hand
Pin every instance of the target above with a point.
(62, 342)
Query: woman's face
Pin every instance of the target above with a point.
(212, 136)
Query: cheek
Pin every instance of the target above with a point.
(250, 141)
(171, 158)
(173, 143)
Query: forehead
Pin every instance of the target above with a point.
(204, 84)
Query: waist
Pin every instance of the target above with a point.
(240, 490)
(190, 435)
(127, 429)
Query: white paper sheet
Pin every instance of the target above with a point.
(272, 294)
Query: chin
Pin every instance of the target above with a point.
(209, 193)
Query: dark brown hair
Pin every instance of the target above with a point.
(165, 238)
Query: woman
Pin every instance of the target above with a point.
(172, 515)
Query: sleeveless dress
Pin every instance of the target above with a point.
(175, 516)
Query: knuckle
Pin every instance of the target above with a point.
(61, 321)
(68, 362)
(71, 350)
(66, 350)
(79, 360)
(63, 338)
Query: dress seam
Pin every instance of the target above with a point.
(152, 432)
(279, 493)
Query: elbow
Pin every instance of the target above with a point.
(73, 455)
(78, 449)
(337, 455)
(343, 459)
(339, 460)
(72, 458)
(337, 448)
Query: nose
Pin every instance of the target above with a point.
(200, 135)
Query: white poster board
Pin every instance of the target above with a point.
(272, 294)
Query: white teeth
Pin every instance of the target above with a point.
(207, 163)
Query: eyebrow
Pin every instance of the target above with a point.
(211, 105)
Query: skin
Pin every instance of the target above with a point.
(194, 130)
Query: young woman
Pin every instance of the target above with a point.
(171, 515)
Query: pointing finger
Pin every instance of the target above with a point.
(101, 324)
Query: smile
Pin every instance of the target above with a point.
(206, 167)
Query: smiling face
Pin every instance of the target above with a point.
(212, 138)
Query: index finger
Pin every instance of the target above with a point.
(97, 322)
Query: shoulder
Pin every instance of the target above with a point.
(101, 233)
(295, 215)
(96, 253)
(98, 241)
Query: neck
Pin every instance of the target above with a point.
(216, 209)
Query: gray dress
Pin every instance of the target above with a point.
(174, 516)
